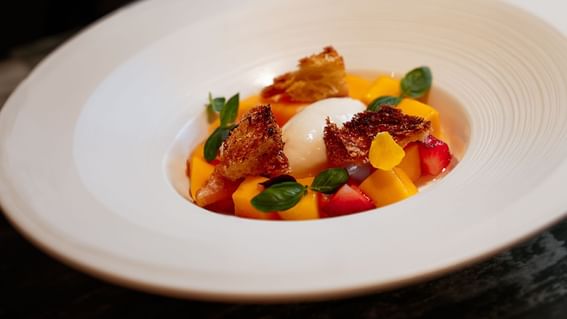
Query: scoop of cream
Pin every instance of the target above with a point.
(303, 133)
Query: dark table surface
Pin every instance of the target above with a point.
(528, 281)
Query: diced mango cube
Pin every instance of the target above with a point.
(411, 164)
(307, 207)
(285, 111)
(387, 187)
(248, 103)
(357, 86)
(416, 108)
(199, 170)
(214, 124)
(382, 86)
(242, 199)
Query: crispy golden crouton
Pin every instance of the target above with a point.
(351, 143)
(254, 148)
(320, 76)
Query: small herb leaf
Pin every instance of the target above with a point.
(416, 82)
(211, 113)
(229, 111)
(217, 103)
(278, 197)
(375, 105)
(329, 180)
(214, 142)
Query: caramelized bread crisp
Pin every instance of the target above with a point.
(351, 143)
(253, 148)
(319, 76)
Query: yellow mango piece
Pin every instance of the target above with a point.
(416, 108)
(357, 86)
(387, 187)
(282, 111)
(285, 111)
(384, 152)
(214, 124)
(248, 103)
(244, 194)
(199, 170)
(382, 86)
(411, 164)
(307, 207)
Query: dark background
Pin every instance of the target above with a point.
(23, 21)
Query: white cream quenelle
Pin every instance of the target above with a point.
(303, 133)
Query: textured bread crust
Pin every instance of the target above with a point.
(253, 148)
(351, 143)
(320, 76)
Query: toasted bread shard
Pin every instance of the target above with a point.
(253, 148)
(319, 76)
(350, 144)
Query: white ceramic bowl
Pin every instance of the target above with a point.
(89, 141)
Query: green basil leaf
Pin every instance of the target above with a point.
(329, 180)
(416, 82)
(229, 111)
(278, 197)
(217, 104)
(375, 105)
(215, 140)
(211, 113)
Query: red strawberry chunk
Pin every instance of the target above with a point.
(347, 200)
(435, 156)
(323, 200)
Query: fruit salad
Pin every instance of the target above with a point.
(319, 142)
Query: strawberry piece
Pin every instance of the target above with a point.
(347, 200)
(435, 156)
(323, 202)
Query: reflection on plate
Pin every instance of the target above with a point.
(83, 143)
